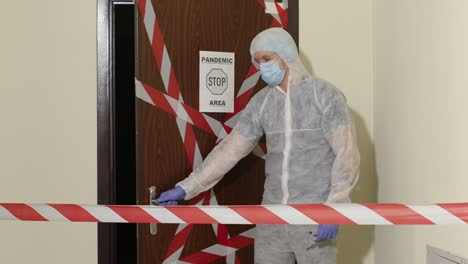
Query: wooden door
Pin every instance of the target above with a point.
(173, 136)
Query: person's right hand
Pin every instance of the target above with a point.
(172, 196)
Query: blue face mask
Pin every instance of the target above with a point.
(272, 72)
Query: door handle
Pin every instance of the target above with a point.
(153, 201)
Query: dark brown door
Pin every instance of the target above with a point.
(173, 137)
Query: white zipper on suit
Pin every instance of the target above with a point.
(287, 148)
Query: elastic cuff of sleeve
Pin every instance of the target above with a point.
(188, 193)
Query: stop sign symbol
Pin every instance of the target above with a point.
(217, 81)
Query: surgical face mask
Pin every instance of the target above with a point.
(272, 72)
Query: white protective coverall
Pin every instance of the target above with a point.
(312, 152)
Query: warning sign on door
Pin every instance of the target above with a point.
(216, 82)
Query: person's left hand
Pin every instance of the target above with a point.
(325, 232)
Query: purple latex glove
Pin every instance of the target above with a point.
(325, 232)
(172, 196)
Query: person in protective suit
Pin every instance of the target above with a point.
(312, 155)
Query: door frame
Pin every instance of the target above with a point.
(106, 156)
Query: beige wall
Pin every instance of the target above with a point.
(336, 44)
(48, 131)
(421, 127)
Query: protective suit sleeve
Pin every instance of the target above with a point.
(340, 132)
(238, 144)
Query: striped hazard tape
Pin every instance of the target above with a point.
(222, 249)
(166, 71)
(180, 110)
(190, 115)
(277, 10)
(172, 89)
(161, 56)
(296, 214)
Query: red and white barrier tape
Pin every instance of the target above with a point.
(180, 110)
(277, 10)
(297, 214)
(172, 89)
(187, 113)
(171, 85)
(224, 248)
